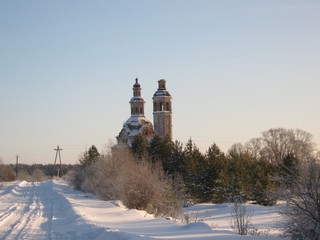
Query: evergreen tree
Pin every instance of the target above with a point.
(191, 152)
(235, 173)
(176, 161)
(90, 157)
(289, 169)
(139, 146)
(216, 174)
(263, 182)
(160, 150)
(194, 166)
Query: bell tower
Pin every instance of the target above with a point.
(162, 111)
(137, 102)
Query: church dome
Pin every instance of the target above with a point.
(137, 124)
(136, 85)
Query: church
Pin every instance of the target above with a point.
(138, 124)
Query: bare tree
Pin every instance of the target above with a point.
(276, 144)
(280, 142)
(237, 149)
(302, 143)
(254, 147)
(302, 210)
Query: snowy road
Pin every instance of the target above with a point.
(52, 210)
(41, 211)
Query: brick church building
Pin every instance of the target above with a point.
(138, 124)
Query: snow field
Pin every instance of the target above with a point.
(53, 210)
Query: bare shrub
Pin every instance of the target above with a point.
(102, 178)
(75, 178)
(187, 218)
(139, 184)
(7, 173)
(38, 175)
(240, 220)
(147, 188)
(24, 176)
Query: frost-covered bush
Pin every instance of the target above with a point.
(138, 183)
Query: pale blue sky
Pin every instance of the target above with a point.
(234, 69)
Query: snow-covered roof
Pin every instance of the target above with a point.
(161, 93)
(135, 124)
(136, 98)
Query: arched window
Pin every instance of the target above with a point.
(167, 106)
(155, 107)
(136, 111)
(141, 110)
(161, 106)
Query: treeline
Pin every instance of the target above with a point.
(49, 170)
(34, 172)
(252, 171)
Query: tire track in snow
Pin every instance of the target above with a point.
(32, 220)
(23, 219)
(45, 194)
(8, 189)
(13, 195)
(11, 217)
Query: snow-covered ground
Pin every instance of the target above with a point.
(53, 210)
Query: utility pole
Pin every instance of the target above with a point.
(55, 161)
(17, 163)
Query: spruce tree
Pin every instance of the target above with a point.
(90, 157)
(139, 146)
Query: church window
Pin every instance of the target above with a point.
(161, 106)
(141, 110)
(136, 110)
(167, 107)
(155, 107)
